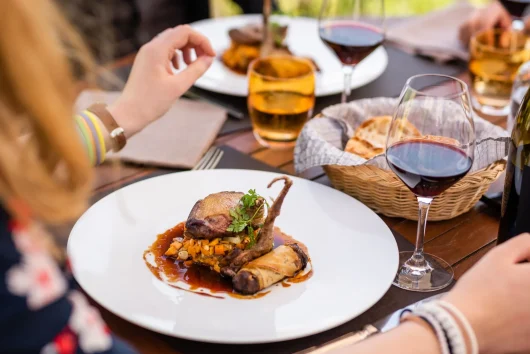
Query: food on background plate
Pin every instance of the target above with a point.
(246, 42)
(369, 139)
(228, 235)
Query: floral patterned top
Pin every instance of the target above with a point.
(40, 310)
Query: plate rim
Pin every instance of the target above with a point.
(233, 340)
(236, 93)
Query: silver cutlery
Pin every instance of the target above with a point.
(210, 160)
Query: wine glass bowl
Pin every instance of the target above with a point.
(352, 29)
(429, 163)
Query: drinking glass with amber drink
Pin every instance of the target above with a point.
(281, 98)
(495, 57)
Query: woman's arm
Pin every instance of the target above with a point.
(492, 296)
(151, 89)
(408, 338)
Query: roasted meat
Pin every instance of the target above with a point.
(284, 261)
(246, 43)
(238, 257)
(207, 240)
(210, 217)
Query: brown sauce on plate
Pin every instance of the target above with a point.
(197, 276)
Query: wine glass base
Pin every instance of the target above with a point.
(426, 274)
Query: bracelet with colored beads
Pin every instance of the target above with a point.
(91, 132)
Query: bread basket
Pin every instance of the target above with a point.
(384, 193)
(380, 189)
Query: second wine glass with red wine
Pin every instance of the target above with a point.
(435, 157)
(352, 29)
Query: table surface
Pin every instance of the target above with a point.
(461, 241)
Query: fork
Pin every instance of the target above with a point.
(210, 160)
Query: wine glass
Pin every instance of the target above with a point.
(352, 29)
(429, 161)
(518, 9)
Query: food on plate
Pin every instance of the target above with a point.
(369, 139)
(233, 235)
(282, 262)
(210, 217)
(246, 44)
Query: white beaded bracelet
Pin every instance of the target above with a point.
(465, 323)
(436, 327)
(453, 332)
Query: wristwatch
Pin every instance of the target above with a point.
(117, 134)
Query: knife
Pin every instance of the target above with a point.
(380, 326)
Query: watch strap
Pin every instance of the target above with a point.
(117, 134)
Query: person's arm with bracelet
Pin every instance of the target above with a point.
(492, 298)
(149, 93)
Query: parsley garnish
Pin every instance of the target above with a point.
(241, 218)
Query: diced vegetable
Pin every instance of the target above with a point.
(183, 255)
(234, 239)
(173, 249)
(219, 249)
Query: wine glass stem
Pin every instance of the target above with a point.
(347, 70)
(424, 204)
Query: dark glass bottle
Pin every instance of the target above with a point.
(515, 214)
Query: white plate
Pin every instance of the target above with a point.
(353, 252)
(302, 39)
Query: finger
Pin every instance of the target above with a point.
(187, 77)
(199, 52)
(464, 34)
(175, 61)
(182, 36)
(186, 55)
(515, 250)
(505, 22)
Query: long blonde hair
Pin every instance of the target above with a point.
(42, 161)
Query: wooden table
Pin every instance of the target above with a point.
(461, 241)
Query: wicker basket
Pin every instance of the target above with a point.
(383, 192)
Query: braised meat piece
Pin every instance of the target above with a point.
(210, 217)
(237, 257)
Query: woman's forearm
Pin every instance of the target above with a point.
(408, 338)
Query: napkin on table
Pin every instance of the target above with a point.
(176, 140)
(434, 34)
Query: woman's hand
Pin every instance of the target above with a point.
(494, 15)
(494, 296)
(152, 87)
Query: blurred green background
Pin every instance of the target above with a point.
(311, 8)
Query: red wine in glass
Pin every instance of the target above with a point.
(428, 167)
(351, 41)
(516, 8)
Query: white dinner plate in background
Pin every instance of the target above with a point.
(302, 39)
